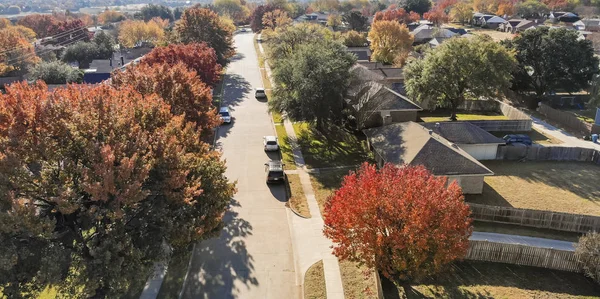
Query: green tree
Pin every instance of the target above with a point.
(553, 59)
(81, 52)
(152, 10)
(199, 25)
(355, 20)
(460, 68)
(418, 6)
(55, 72)
(311, 82)
(531, 9)
(354, 39)
(105, 45)
(94, 184)
(284, 40)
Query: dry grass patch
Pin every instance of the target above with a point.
(358, 282)
(568, 187)
(495, 280)
(497, 36)
(314, 282)
(297, 199)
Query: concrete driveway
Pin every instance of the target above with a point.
(253, 256)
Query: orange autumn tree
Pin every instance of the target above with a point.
(94, 183)
(402, 221)
(436, 15)
(198, 57)
(177, 86)
(398, 14)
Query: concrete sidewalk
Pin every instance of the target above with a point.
(568, 139)
(308, 241)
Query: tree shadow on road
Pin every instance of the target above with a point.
(220, 262)
(236, 57)
(235, 90)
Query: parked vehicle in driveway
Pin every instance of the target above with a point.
(517, 139)
(225, 115)
(260, 93)
(274, 172)
(270, 143)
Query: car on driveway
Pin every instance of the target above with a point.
(225, 115)
(517, 139)
(274, 172)
(270, 143)
(260, 93)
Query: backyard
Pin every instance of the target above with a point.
(443, 115)
(495, 280)
(535, 135)
(568, 187)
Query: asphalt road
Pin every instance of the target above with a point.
(253, 256)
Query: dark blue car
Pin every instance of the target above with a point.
(517, 138)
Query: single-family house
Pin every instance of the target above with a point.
(425, 33)
(373, 71)
(480, 18)
(409, 143)
(374, 104)
(474, 140)
(100, 69)
(315, 17)
(491, 23)
(517, 25)
(592, 25)
(362, 53)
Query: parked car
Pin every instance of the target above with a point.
(274, 172)
(270, 143)
(225, 115)
(244, 30)
(517, 139)
(260, 93)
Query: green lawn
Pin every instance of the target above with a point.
(334, 147)
(287, 156)
(325, 183)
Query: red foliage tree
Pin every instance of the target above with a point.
(436, 15)
(69, 31)
(40, 24)
(402, 221)
(198, 57)
(94, 181)
(257, 16)
(399, 15)
(177, 86)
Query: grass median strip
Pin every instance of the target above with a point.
(297, 198)
(314, 282)
(173, 281)
(287, 156)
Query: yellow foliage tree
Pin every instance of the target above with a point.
(276, 18)
(110, 16)
(132, 33)
(4, 23)
(389, 39)
(461, 12)
(334, 21)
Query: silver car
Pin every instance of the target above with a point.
(270, 143)
(260, 93)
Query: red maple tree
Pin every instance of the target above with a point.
(402, 221)
(398, 14)
(436, 15)
(40, 24)
(196, 56)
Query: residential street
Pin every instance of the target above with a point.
(253, 256)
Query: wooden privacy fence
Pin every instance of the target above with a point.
(511, 125)
(523, 255)
(535, 218)
(566, 119)
(549, 153)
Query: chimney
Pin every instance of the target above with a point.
(122, 60)
(430, 132)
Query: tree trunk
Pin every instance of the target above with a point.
(454, 106)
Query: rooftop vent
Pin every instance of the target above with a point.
(437, 125)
